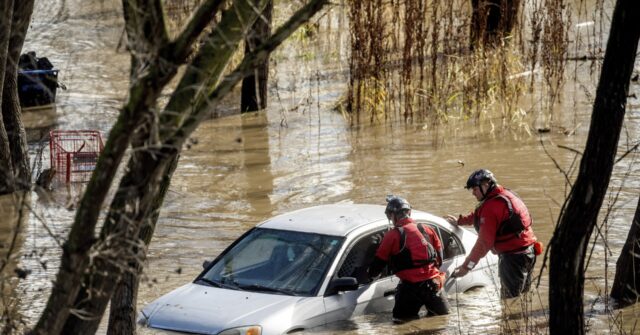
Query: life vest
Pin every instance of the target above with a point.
(407, 258)
(518, 221)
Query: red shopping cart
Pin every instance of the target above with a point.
(74, 154)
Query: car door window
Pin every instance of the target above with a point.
(451, 245)
(360, 256)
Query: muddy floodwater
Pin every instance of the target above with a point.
(299, 153)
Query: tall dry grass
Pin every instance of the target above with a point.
(411, 60)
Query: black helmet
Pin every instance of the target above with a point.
(478, 176)
(396, 205)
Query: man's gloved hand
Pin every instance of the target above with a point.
(460, 271)
(451, 219)
(371, 278)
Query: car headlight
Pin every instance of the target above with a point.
(246, 330)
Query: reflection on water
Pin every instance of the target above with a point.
(299, 153)
(15, 216)
(39, 121)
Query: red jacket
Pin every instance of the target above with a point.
(390, 245)
(490, 213)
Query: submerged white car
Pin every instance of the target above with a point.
(301, 270)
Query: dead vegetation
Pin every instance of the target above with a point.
(414, 60)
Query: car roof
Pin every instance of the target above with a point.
(335, 219)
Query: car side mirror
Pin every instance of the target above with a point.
(342, 284)
(206, 264)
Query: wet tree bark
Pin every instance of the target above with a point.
(626, 285)
(12, 113)
(122, 314)
(575, 225)
(254, 86)
(6, 168)
(123, 311)
(120, 250)
(139, 195)
(75, 256)
(131, 206)
(492, 20)
(15, 169)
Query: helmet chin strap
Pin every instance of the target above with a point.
(489, 189)
(396, 218)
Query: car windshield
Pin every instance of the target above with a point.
(275, 261)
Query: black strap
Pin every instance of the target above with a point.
(517, 250)
(403, 239)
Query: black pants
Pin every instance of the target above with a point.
(516, 272)
(410, 297)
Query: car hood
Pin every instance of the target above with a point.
(209, 310)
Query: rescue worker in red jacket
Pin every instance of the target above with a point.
(503, 224)
(414, 253)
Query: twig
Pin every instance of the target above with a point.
(566, 176)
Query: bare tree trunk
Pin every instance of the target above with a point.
(254, 86)
(492, 20)
(576, 223)
(122, 315)
(75, 257)
(11, 110)
(120, 247)
(143, 93)
(626, 284)
(161, 167)
(6, 168)
(12, 134)
(133, 203)
(66, 312)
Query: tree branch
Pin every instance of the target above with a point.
(178, 50)
(208, 65)
(249, 63)
(145, 26)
